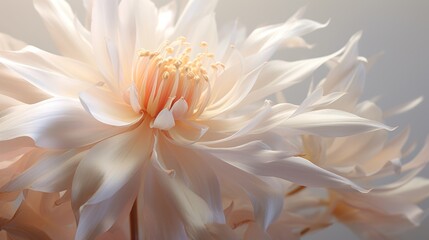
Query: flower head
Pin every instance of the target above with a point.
(156, 127)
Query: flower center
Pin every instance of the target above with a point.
(173, 72)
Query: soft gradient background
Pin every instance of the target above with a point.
(398, 28)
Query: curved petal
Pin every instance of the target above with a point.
(272, 37)
(164, 120)
(52, 173)
(104, 35)
(279, 75)
(9, 43)
(267, 201)
(332, 123)
(201, 177)
(168, 200)
(56, 75)
(71, 38)
(147, 21)
(110, 164)
(194, 11)
(6, 102)
(53, 123)
(98, 218)
(108, 108)
(257, 158)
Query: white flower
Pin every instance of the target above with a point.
(166, 117)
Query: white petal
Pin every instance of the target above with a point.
(9, 43)
(96, 219)
(110, 164)
(179, 109)
(147, 21)
(271, 37)
(6, 102)
(194, 11)
(403, 108)
(104, 35)
(267, 201)
(108, 108)
(202, 179)
(69, 35)
(164, 120)
(234, 95)
(188, 215)
(52, 173)
(134, 98)
(332, 123)
(279, 75)
(53, 74)
(257, 158)
(53, 123)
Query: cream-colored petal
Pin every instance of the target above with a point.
(256, 158)
(9, 43)
(53, 123)
(52, 173)
(188, 215)
(279, 75)
(147, 21)
(6, 102)
(403, 108)
(332, 123)
(109, 108)
(110, 164)
(179, 109)
(164, 120)
(56, 75)
(14, 86)
(71, 38)
(104, 36)
(188, 168)
(96, 219)
(271, 37)
(194, 11)
(266, 199)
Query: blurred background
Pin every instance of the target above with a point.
(397, 28)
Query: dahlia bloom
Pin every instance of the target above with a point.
(151, 124)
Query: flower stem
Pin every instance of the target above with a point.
(134, 226)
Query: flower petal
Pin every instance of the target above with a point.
(110, 164)
(188, 216)
(52, 173)
(271, 37)
(194, 11)
(188, 168)
(104, 35)
(56, 75)
(69, 35)
(53, 123)
(96, 219)
(108, 108)
(164, 120)
(179, 109)
(332, 123)
(256, 158)
(9, 43)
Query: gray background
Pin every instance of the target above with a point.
(398, 28)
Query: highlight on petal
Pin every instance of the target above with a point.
(55, 75)
(110, 164)
(156, 123)
(164, 120)
(108, 108)
(332, 123)
(53, 123)
(69, 35)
